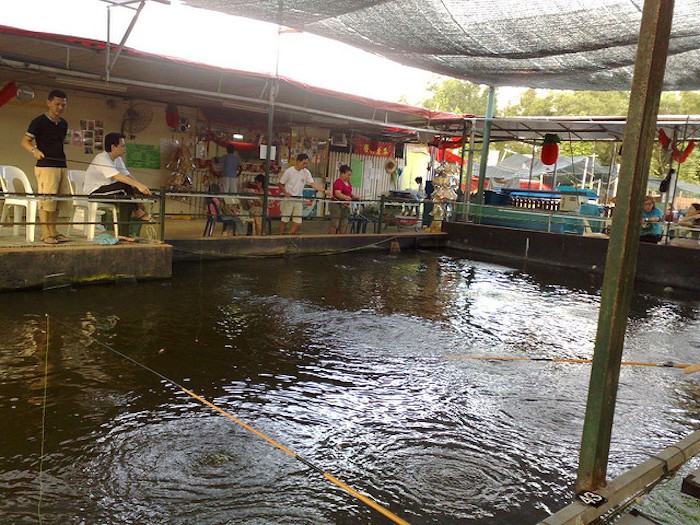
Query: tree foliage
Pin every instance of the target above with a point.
(462, 97)
(457, 96)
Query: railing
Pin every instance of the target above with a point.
(367, 212)
(375, 215)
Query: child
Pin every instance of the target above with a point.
(218, 211)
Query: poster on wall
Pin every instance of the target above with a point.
(91, 136)
(144, 156)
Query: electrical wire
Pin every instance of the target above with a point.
(43, 425)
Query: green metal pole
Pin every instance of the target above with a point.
(485, 145)
(274, 88)
(620, 265)
(380, 219)
(161, 208)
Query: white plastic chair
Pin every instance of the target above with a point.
(76, 178)
(14, 180)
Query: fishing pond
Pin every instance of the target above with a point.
(359, 363)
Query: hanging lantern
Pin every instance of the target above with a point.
(7, 93)
(172, 117)
(676, 154)
(550, 149)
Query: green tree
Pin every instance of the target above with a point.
(457, 96)
(606, 103)
(462, 97)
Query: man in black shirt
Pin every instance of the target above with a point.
(49, 131)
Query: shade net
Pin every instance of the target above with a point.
(552, 44)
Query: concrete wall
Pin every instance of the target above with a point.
(55, 266)
(664, 265)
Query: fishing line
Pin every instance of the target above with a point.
(667, 364)
(43, 424)
(364, 499)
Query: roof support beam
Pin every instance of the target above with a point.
(620, 265)
(109, 64)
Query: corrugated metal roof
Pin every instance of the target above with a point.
(222, 93)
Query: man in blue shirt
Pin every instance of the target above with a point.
(230, 169)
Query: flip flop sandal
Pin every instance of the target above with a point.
(61, 238)
(50, 240)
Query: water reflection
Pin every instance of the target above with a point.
(341, 359)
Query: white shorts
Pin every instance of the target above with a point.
(291, 208)
(229, 184)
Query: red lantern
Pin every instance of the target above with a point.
(172, 117)
(550, 149)
(7, 93)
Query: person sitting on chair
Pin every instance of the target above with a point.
(691, 219)
(651, 221)
(107, 175)
(218, 212)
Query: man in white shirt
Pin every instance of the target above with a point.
(292, 184)
(107, 175)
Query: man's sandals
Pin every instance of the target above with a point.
(55, 239)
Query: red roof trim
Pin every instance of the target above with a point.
(375, 103)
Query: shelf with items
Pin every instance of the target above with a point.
(250, 170)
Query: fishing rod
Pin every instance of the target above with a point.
(361, 497)
(688, 368)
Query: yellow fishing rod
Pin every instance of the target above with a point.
(688, 368)
(364, 499)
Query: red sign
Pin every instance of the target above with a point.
(367, 146)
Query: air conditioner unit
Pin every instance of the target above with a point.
(340, 140)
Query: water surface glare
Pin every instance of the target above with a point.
(343, 360)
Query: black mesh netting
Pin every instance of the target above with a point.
(555, 44)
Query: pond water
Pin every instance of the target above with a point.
(342, 359)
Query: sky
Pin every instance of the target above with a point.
(231, 42)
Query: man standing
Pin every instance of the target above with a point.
(107, 175)
(342, 191)
(49, 131)
(230, 168)
(292, 184)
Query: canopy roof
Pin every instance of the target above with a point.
(552, 44)
(243, 97)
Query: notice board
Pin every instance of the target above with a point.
(357, 166)
(142, 156)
